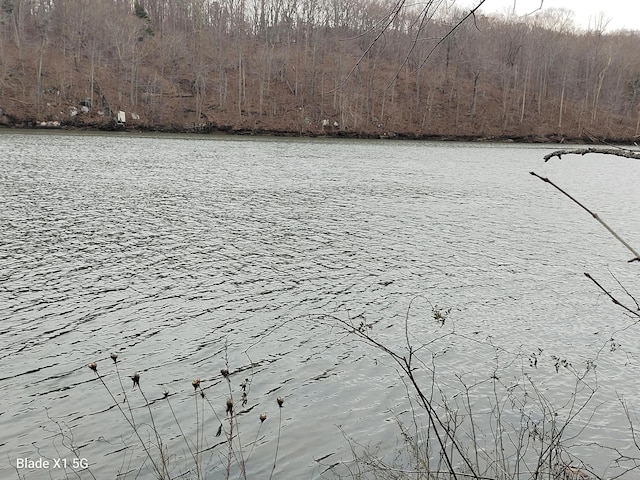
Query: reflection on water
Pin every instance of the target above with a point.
(187, 255)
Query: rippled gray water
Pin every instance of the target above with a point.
(184, 254)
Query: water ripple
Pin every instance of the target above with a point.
(184, 255)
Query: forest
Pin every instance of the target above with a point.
(367, 68)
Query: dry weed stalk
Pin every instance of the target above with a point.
(157, 451)
(515, 432)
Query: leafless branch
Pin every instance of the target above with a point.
(618, 152)
(613, 299)
(626, 291)
(386, 23)
(636, 255)
(471, 13)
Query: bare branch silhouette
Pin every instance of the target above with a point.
(593, 214)
(618, 152)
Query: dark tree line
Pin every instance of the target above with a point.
(374, 67)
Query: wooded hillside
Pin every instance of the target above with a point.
(349, 67)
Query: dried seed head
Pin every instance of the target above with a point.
(229, 405)
(280, 401)
(114, 357)
(263, 417)
(165, 394)
(196, 383)
(135, 378)
(93, 366)
(224, 372)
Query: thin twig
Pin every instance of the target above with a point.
(636, 255)
(165, 471)
(157, 469)
(195, 459)
(275, 458)
(471, 13)
(625, 290)
(613, 299)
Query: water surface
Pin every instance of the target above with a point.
(185, 255)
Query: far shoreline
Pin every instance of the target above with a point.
(211, 129)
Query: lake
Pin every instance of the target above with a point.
(186, 255)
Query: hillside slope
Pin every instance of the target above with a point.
(310, 68)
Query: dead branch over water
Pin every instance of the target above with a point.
(618, 152)
(593, 214)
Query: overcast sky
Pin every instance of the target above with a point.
(620, 13)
